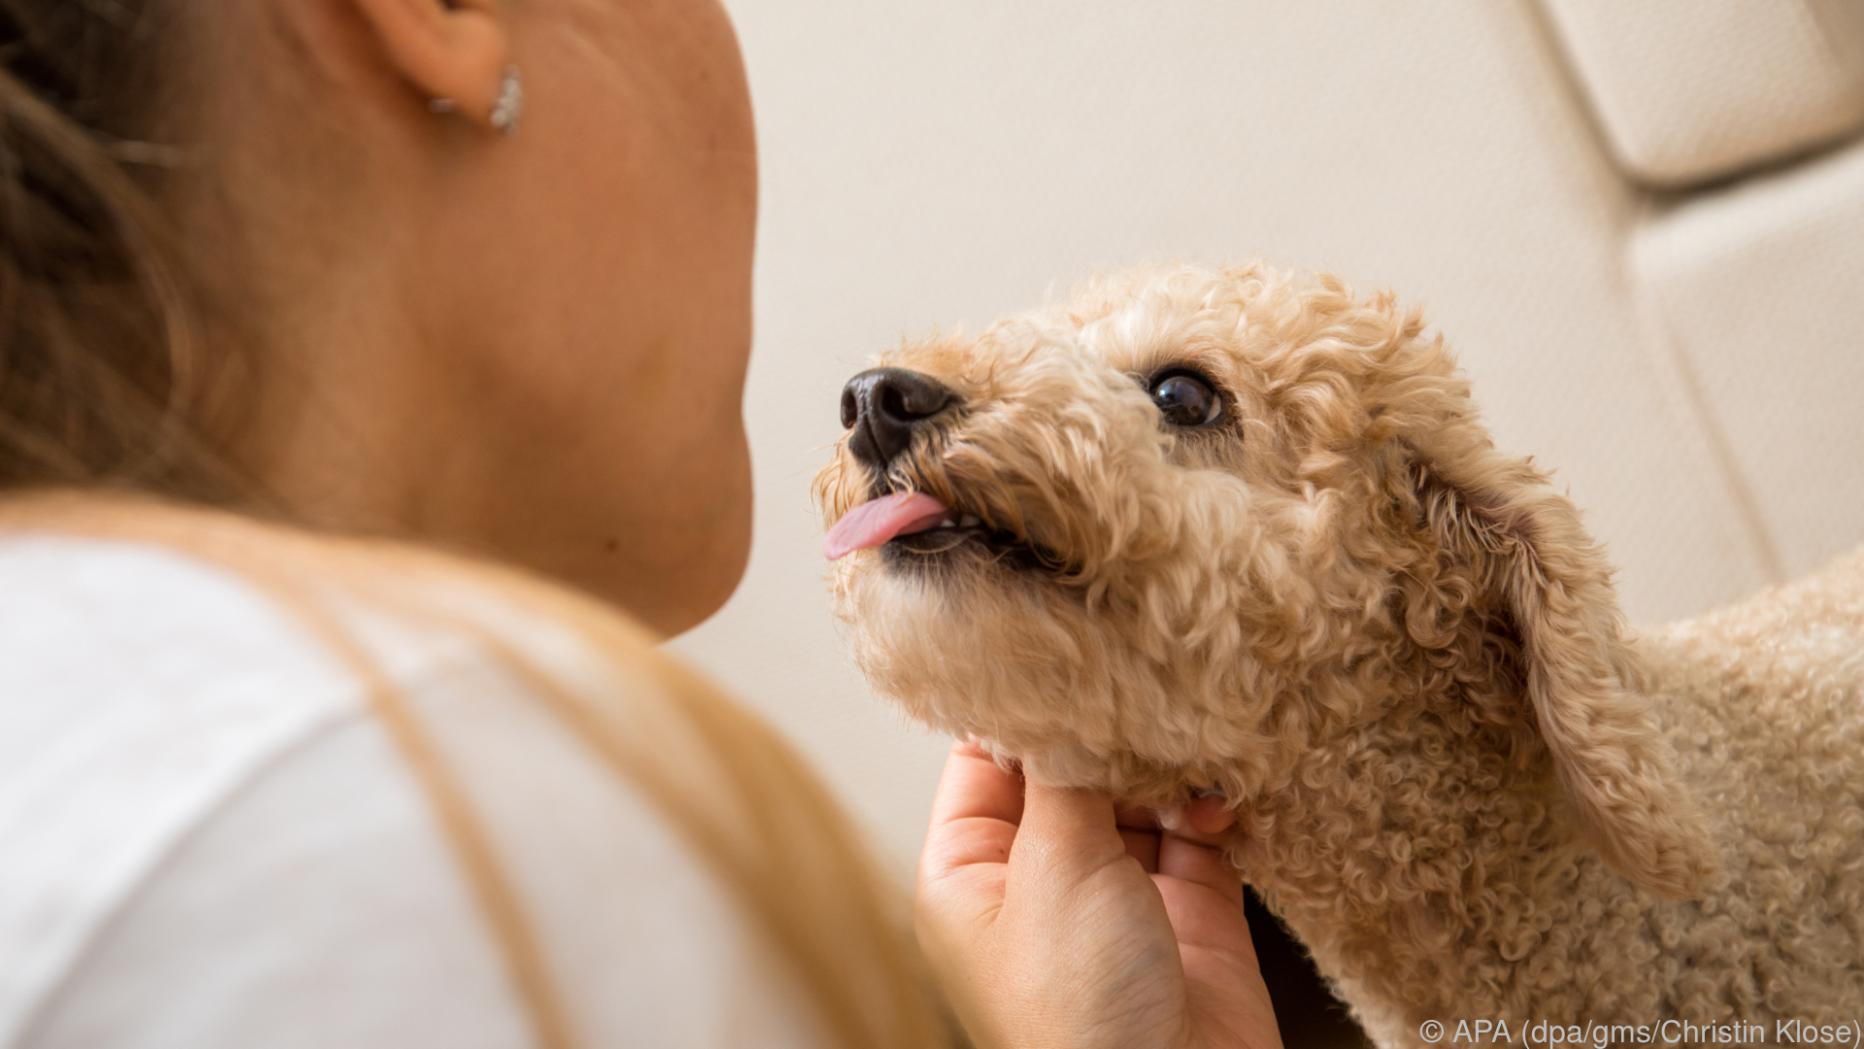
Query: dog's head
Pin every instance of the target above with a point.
(1173, 533)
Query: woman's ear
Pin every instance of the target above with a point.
(455, 52)
(1513, 537)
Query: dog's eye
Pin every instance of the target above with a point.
(1186, 399)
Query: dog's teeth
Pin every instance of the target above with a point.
(948, 523)
(969, 521)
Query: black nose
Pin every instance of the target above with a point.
(884, 405)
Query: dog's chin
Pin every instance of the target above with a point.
(968, 648)
(1073, 691)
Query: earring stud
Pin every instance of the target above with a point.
(509, 108)
(506, 110)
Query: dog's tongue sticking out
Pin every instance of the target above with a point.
(878, 520)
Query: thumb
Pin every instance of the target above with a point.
(1066, 825)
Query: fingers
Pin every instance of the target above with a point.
(980, 812)
(1068, 815)
(1203, 900)
(1069, 827)
(975, 812)
(1139, 829)
(1200, 865)
(973, 784)
(1142, 845)
(1209, 816)
(1131, 817)
(1205, 820)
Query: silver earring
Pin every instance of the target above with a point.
(506, 111)
(509, 108)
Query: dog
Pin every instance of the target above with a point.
(1241, 531)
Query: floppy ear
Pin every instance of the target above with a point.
(1519, 545)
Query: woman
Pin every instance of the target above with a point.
(297, 294)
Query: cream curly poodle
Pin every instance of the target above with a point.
(1240, 531)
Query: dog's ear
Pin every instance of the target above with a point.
(1509, 541)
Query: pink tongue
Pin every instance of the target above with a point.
(873, 523)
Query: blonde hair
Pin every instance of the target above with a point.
(103, 392)
(740, 796)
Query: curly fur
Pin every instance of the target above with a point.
(1394, 649)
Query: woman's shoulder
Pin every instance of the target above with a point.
(196, 766)
(264, 632)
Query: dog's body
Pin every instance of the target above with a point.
(1432, 880)
(1239, 531)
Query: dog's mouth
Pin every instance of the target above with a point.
(913, 527)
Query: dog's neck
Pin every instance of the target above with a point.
(1401, 843)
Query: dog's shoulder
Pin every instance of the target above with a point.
(1774, 681)
(1818, 618)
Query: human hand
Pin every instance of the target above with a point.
(1068, 925)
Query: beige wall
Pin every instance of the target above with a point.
(936, 163)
